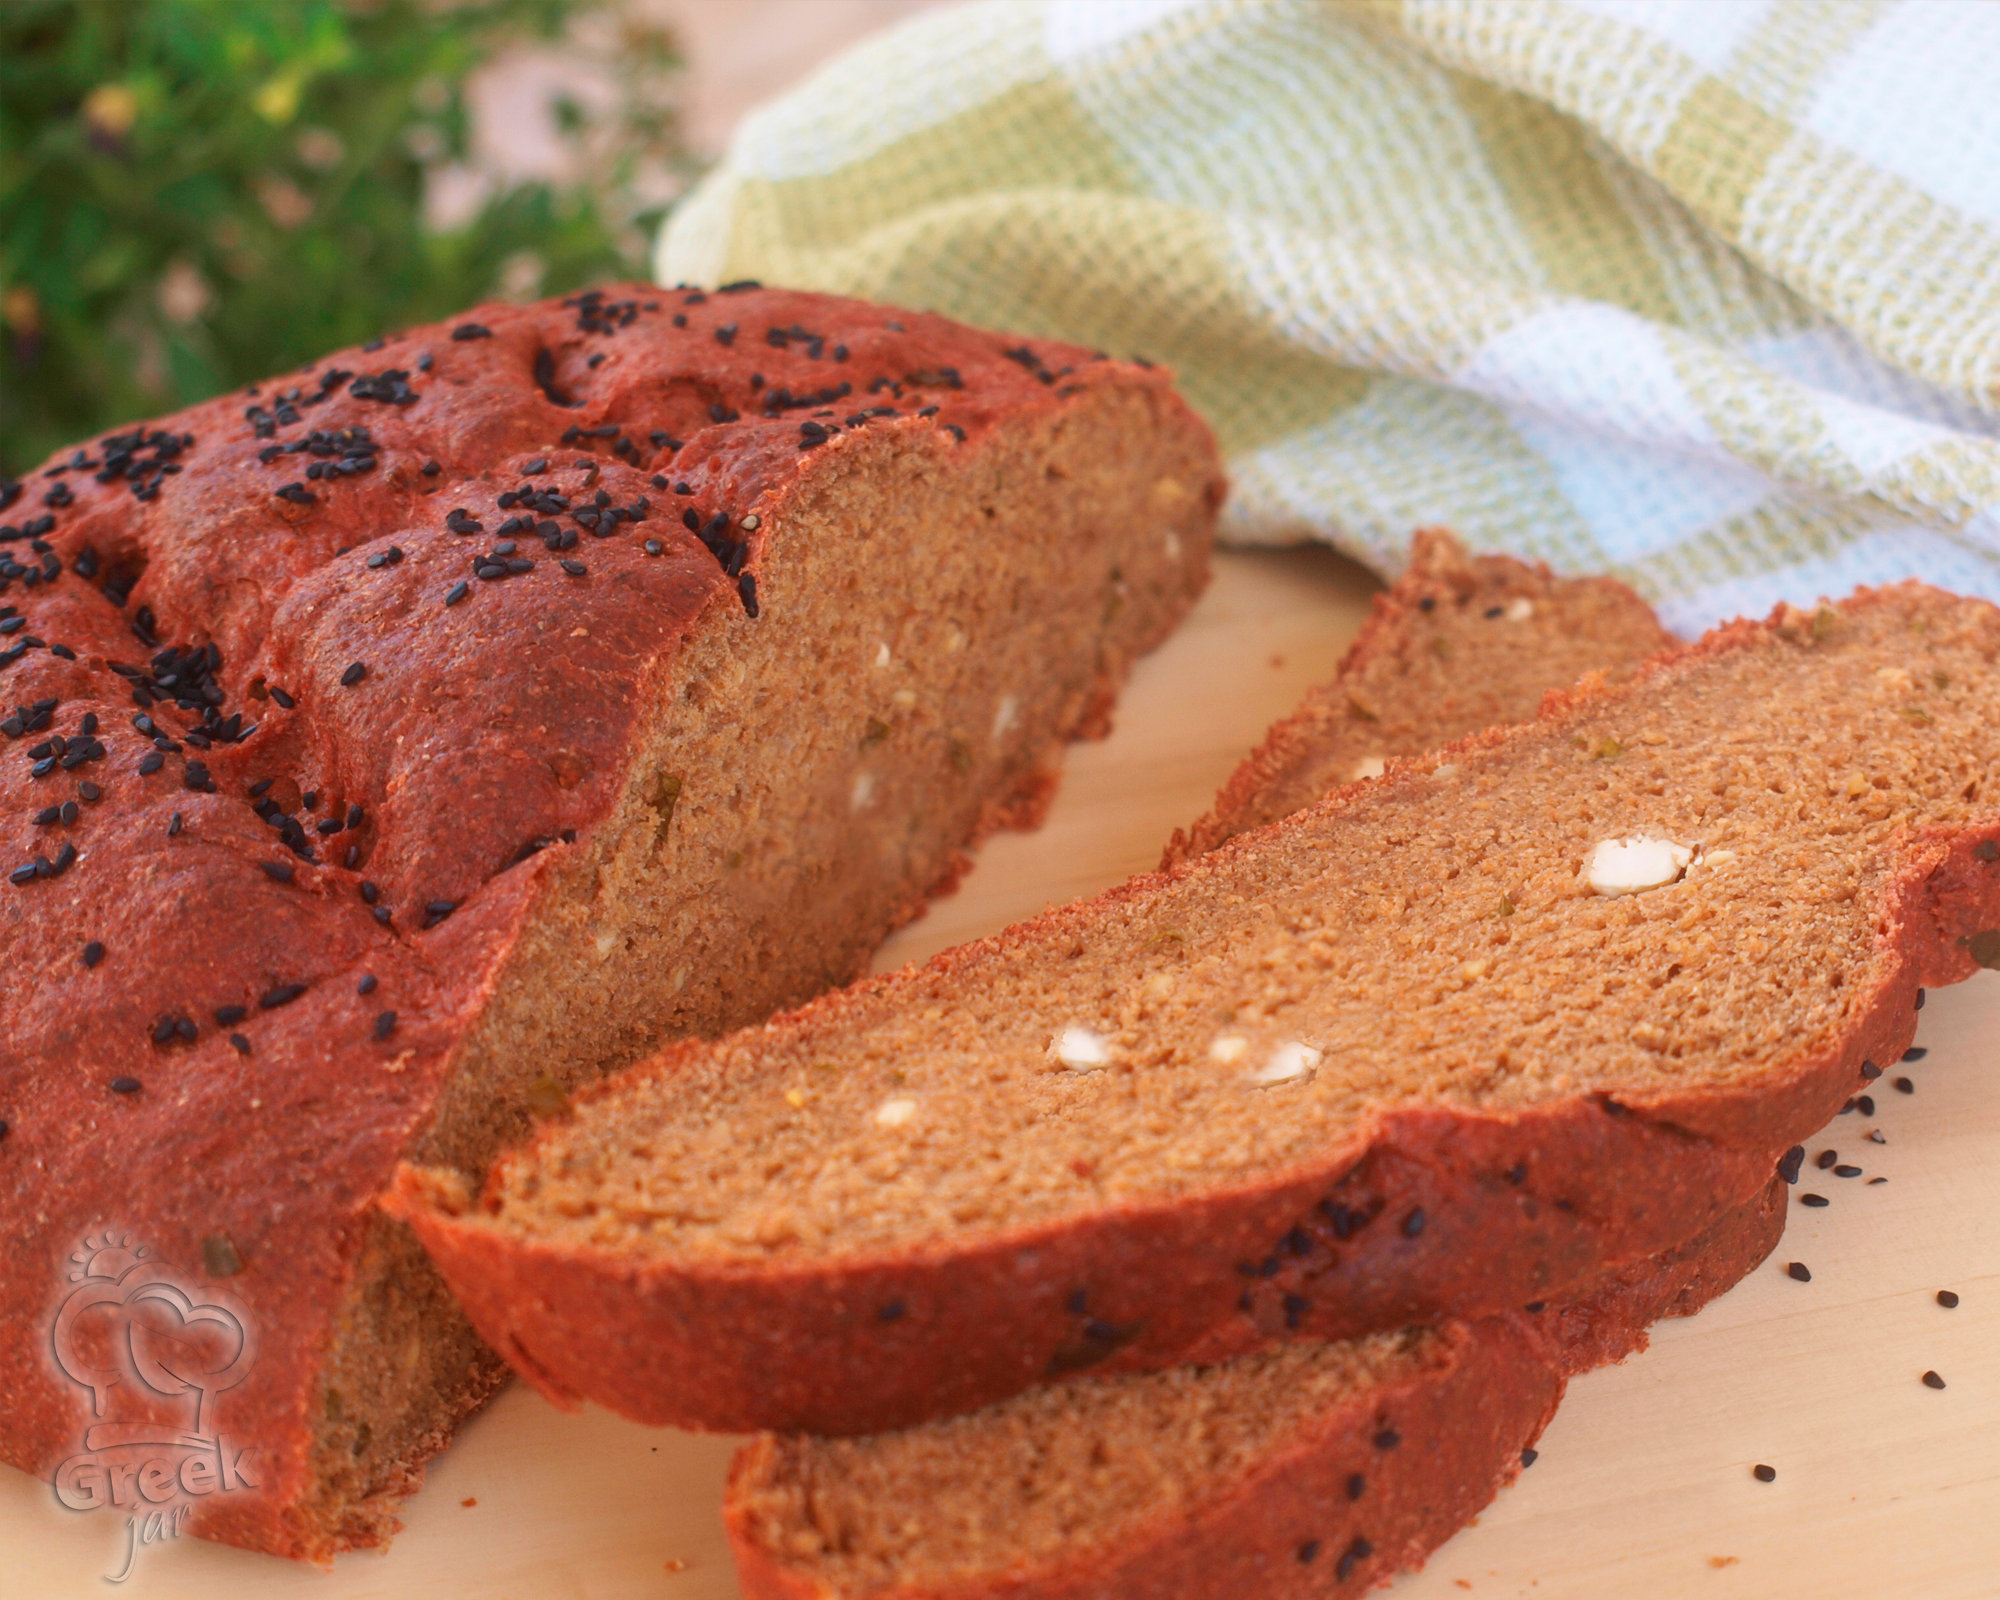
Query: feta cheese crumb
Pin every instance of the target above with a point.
(1290, 1060)
(894, 1113)
(1081, 1050)
(1625, 866)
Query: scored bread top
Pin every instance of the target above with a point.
(1393, 1058)
(308, 691)
(1459, 644)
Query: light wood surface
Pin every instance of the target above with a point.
(1886, 1489)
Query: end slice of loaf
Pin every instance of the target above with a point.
(391, 747)
(1310, 1469)
(1395, 1059)
(1459, 644)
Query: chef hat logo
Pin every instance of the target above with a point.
(130, 1324)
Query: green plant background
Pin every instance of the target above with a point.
(195, 194)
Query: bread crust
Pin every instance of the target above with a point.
(802, 1346)
(462, 732)
(1463, 1424)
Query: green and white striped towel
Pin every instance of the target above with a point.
(1703, 294)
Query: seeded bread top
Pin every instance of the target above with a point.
(308, 689)
(1459, 644)
(1432, 940)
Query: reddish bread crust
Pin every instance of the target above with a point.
(808, 1345)
(1462, 1421)
(482, 744)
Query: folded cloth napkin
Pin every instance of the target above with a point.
(1703, 294)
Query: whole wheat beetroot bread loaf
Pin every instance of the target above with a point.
(1308, 1469)
(393, 746)
(1393, 1059)
(1459, 644)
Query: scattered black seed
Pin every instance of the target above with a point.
(1920, 999)
(1388, 1439)
(1825, 1159)
(892, 1312)
(239, 1044)
(1947, 1298)
(283, 699)
(1413, 1224)
(355, 672)
(437, 911)
(1309, 1551)
(1800, 1271)
(1535, 1308)
(366, 985)
(1865, 1104)
(1352, 1557)
(470, 330)
(1904, 1086)
(1870, 1071)
(280, 870)
(431, 469)
(1847, 1170)
(1916, 1052)
(174, 825)
(1814, 1200)
(576, 569)
(1530, 1457)
(1357, 1485)
(1764, 1474)
(369, 893)
(385, 1024)
(131, 1086)
(746, 587)
(456, 593)
(151, 763)
(283, 995)
(1987, 850)
(93, 952)
(1933, 1381)
(1790, 1162)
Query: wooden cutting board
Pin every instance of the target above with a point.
(1886, 1489)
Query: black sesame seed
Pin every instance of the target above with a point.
(355, 672)
(576, 569)
(124, 1085)
(1847, 1170)
(283, 995)
(93, 953)
(1764, 1474)
(470, 330)
(174, 825)
(151, 763)
(1870, 1071)
(431, 469)
(1865, 1104)
(229, 1016)
(1789, 1164)
(1413, 1224)
(1309, 1551)
(1933, 1381)
(1800, 1271)
(1814, 1200)
(892, 1312)
(456, 593)
(1916, 1052)
(1947, 1298)
(239, 1044)
(385, 1024)
(280, 870)
(1825, 1159)
(1920, 999)
(369, 893)
(1388, 1439)
(366, 985)
(1904, 1086)
(1352, 1557)
(1530, 1457)
(1357, 1486)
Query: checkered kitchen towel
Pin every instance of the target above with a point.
(1704, 294)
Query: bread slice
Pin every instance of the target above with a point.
(1395, 1059)
(1460, 643)
(1308, 1469)
(394, 746)
(1204, 1481)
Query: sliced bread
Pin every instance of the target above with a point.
(1460, 643)
(1462, 1038)
(1305, 1470)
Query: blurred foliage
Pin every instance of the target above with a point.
(195, 194)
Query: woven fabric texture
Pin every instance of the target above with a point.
(1705, 295)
